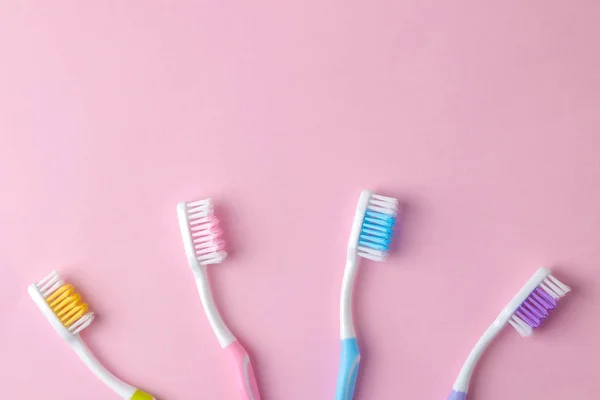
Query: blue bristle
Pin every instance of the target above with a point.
(385, 241)
(376, 231)
(378, 218)
(384, 229)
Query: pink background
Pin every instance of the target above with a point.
(482, 118)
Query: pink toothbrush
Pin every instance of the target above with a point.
(204, 245)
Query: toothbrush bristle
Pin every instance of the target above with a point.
(377, 227)
(65, 302)
(537, 307)
(207, 236)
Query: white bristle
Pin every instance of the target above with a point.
(202, 247)
(371, 254)
(383, 210)
(203, 239)
(195, 209)
(554, 287)
(82, 323)
(198, 215)
(548, 290)
(558, 289)
(385, 198)
(520, 326)
(558, 283)
(198, 203)
(383, 204)
(198, 234)
(204, 232)
(198, 206)
(198, 221)
(49, 284)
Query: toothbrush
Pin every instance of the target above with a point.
(203, 243)
(69, 315)
(525, 312)
(370, 238)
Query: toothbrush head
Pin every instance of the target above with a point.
(373, 226)
(201, 234)
(541, 295)
(61, 304)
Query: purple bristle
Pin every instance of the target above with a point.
(551, 300)
(537, 306)
(543, 300)
(531, 314)
(528, 317)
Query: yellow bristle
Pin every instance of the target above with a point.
(67, 305)
(60, 293)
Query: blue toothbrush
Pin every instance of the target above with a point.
(370, 238)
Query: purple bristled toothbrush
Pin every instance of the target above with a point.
(530, 307)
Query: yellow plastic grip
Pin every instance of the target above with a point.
(139, 395)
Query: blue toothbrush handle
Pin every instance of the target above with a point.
(457, 395)
(349, 362)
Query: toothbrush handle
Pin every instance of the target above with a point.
(348, 370)
(246, 378)
(125, 390)
(139, 395)
(461, 386)
(457, 395)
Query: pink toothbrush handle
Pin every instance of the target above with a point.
(246, 379)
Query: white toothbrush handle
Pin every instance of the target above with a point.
(346, 320)
(464, 377)
(123, 389)
(223, 334)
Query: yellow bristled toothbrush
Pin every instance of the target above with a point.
(69, 315)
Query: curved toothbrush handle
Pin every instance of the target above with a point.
(125, 390)
(461, 386)
(348, 371)
(246, 379)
